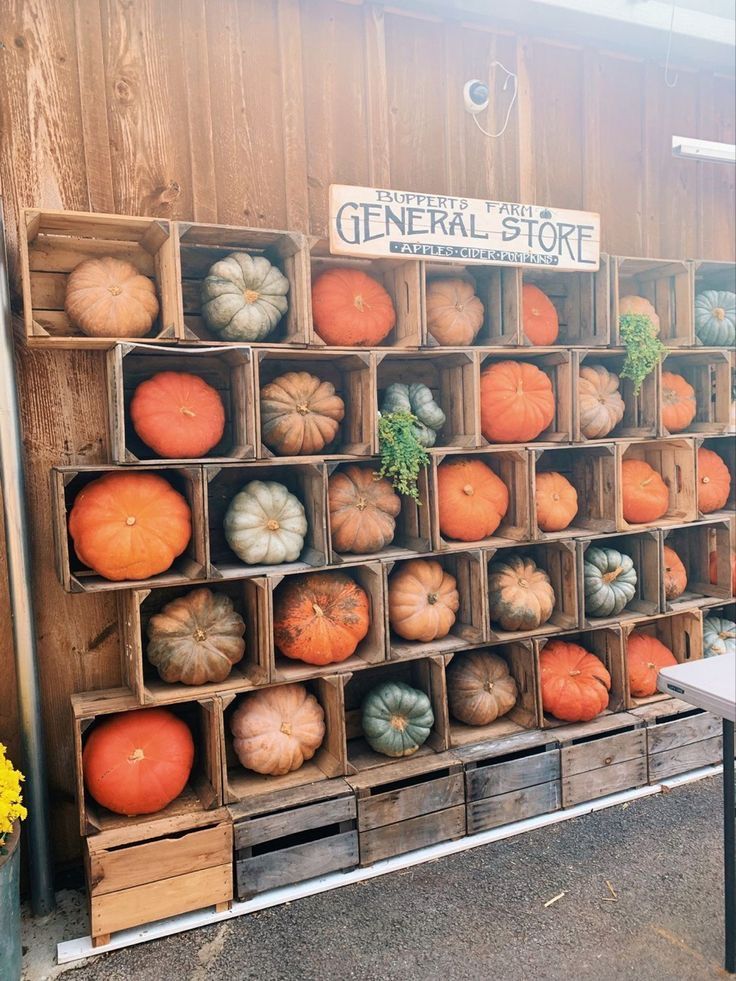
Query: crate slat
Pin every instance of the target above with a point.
(407, 836)
(515, 805)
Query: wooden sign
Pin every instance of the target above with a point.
(374, 223)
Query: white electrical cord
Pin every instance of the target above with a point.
(509, 76)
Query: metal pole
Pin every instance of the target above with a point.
(729, 843)
(36, 830)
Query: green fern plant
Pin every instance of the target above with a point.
(402, 455)
(644, 350)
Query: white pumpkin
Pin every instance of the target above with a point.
(601, 405)
(719, 636)
(265, 524)
(243, 297)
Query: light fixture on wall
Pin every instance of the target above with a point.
(692, 149)
(476, 98)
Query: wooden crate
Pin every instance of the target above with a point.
(371, 650)
(732, 404)
(641, 413)
(452, 376)
(667, 284)
(227, 370)
(581, 300)
(413, 531)
(294, 835)
(644, 548)
(354, 379)
(427, 674)
(679, 738)
(240, 784)
(511, 779)
(709, 373)
(137, 606)
(559, 560)
(512, 467)
(414, 803)
(674, 461)
(53, 243)
(725, 447)
(557, 366)
(681, 632)
(157, 869)
(471, 624)
(591, 469)
(203, 791)
(693, 544)
(199, 246)
(76, 577)
(498, 289)
(307, 481)
(604, 756)
(401, 278)
(526, 714)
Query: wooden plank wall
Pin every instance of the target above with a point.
(244, 111)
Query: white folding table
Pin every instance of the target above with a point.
(711, 684)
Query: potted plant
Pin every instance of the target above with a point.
(12, 813)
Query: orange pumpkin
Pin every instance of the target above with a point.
(678, 402)
(108, 297)
(639, 305)
(645, 658)
(645, 495)
(714, 481)
(363, 510)
(129, 525)
(471, 499)
(300, 414)
(320, 618)
(713, 569)
(557, 501)
(538, 316)
(178, 415)
(350, 308)
(454, 312)
(517, 402)
(575, 683)
(675, 576)
(276, 730)
(422, 600)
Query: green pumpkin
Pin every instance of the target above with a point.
(715, 318)
(609, 581)
(396, 718)
(418, 400)
(719, 636)
(243, 297)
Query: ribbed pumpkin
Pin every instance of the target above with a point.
(713, 569)
(276, 730)
(108, 297)
(178, 415)
(517, 402)
(575, 683)
(645, 495)
(138, 762)
(351, 308)
(609, 581)
(454, 312)
(556, 501)
(645, 658)
(678, 402)
(715, 318)
(417, 399)
(320, 618)
(243, 297)
(675, 576)
(639, 305)
(520, 594)
(196, 638)
(300, 414)
(363, 510)
(714, 481)
(539, 318)
(422, 600)
(480, 688)
(471, 499)
(129, 525)
(396, 719)
(719, 636)
(265, 524)
(599, 400)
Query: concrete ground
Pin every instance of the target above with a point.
(481, 914)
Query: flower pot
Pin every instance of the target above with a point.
(10, 949)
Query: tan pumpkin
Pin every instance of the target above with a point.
(520, 594)
(600, 404)
(108, 297)
(480, 688)
(300, 414)
(639, 305)
(422, 600)
(276, 730)
(454, 312)
(363, 510)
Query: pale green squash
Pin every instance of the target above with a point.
(609, 581)
(417, 399)
(715, 318)
(396, 718)
(719, 636)
(243, 297)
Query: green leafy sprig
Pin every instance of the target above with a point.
(644, 350)
(402, 455)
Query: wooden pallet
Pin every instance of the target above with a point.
(601, 757)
